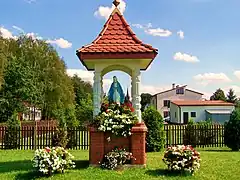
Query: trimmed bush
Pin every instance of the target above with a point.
(12, 135)
(232, 131)
(199, 133)
(155, 138)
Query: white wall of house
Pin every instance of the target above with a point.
(158, 99)
(30, 114)
(199, 110)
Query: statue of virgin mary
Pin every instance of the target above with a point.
(115, 94)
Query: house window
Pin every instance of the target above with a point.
(166, 103)
(180, 91)
(166, 114)
(175, 114)
(193, 114)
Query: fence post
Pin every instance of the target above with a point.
(35, 135)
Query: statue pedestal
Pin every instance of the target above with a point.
(100, 145)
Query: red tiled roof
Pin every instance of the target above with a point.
(202, 103)
(116, 40)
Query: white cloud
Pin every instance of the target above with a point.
(207, 78)
(158, 32)
(34, 36)
(237, 74)
(18, 29)
(180, 34)
(105, 11)
(62, 43)
(6, 34)
(151, 89)
(153, 31)
(88, 76)
(185, 57)
(30, 1)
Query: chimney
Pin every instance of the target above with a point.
(173, 86)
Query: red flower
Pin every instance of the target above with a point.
(47, 149)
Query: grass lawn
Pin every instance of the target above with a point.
(216, 164)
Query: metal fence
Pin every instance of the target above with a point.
(30, 137)
(34, 137)
(196, 135)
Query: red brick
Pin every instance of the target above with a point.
(99, 145)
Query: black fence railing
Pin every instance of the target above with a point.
(32, 137)
(195, 135)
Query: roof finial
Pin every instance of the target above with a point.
(116, 2)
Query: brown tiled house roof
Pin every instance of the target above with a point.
(201, 103)
(117, 41)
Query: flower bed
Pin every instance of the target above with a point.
(117, 119)
(52, 160)
(182, 158)
(115, 158)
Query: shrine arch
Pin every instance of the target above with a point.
(117, 67)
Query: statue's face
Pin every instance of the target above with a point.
(114, 79)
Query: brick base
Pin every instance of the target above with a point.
(100, 145)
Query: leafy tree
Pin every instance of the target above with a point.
(231, 96)
(155, 138)
(145, 100)
(218, 95)
(83, 98)
(12, 137)
(232, 131)
(34, 73)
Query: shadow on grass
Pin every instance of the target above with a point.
(218, 150)
(81, 164)
(31, 175)
(165, 172)
(10, 166)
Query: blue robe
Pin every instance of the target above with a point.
(116, 93)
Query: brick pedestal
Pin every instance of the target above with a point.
(100, 144)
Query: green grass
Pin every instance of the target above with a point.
(217, 164)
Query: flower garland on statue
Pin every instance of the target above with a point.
(115, 118)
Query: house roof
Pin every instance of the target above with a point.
(201, 103)
(222, 111)
(117, 41)
(178, 88)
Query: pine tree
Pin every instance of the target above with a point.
(218, 95)
(231, 96)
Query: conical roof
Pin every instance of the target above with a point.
(117, 41)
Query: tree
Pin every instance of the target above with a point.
(83, 98)
(155, 138)
(232, 131)
(145, 100)
(218, 95)
(34, 73)
(231, 96)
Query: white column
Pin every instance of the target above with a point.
(97, 93)
(132, 91)
(136, 83)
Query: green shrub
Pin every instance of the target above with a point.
(12, 135)
(155, 139)
(232, 131)
(199, 133)
(65, 135)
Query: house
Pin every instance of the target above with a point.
(162, 100)
(31, 114)
(217, 111)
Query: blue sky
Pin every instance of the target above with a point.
(198, 40)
